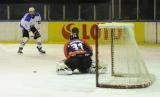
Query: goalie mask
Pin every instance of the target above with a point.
(74, 34)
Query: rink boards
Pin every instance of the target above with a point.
(58, 32)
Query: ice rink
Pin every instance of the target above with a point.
(19, 79)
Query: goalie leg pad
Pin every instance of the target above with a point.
(92, 69)
(72, 63)
(62, 69)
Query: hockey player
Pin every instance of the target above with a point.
(29, 23)
(78, 54)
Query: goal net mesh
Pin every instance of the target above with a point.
(117, 52)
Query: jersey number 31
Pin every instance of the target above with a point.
(77, 46)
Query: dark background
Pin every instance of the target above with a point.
(52, 1)
(83, 10)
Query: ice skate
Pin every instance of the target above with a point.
(20, 51)
(40, 50)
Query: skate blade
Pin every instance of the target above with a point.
(19, 53)
(42, 53)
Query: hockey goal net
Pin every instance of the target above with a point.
(117, 52)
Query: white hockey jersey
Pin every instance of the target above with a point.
(27, 21)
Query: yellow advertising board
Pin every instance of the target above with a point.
(59, 32)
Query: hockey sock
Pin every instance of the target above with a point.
(39, 42)
(23, 42)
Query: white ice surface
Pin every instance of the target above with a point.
(17, 77)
